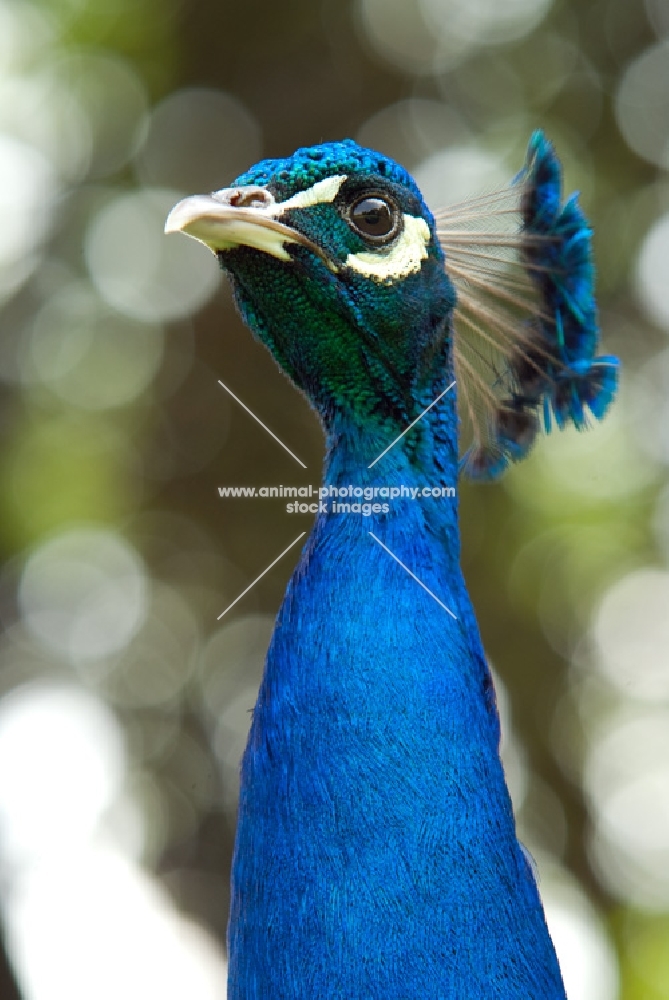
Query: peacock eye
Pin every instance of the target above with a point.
(375, 218)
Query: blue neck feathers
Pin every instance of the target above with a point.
(376, 853)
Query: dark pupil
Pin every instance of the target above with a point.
(372, 216)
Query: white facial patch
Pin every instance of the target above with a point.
(322, 193)
(401, 258)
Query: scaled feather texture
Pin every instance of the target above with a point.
(376, 854)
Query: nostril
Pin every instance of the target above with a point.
(245, 197)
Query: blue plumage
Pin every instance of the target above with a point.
(376, 853)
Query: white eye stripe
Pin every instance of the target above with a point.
(403, 257)
(322, 193)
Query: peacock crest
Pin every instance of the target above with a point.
(525, 325)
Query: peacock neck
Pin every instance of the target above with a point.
(381, 568)
(376, 853)
(408, 475)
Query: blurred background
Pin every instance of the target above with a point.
(124, 703)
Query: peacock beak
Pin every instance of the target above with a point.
(234, 217)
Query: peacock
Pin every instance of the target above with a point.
(376, 853)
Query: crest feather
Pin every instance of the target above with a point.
(525, 329)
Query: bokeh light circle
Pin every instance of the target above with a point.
(413, 129)
(41, 110)
(631, 634)
(458, 172)
(397, 31)
(83, 593)
(89, 355)
(198, 140)
(64, 761)
(429, 36)
(96, 925)
(484, 22)
(157, 663)
(113, 100)
(25, 32)
(642, 104)
(650, 407)
(652, 272)
(626, 778)
(28, 191)
(140, 271)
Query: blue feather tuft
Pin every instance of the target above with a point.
(592, 384)
(563, 271)
(484, 463)
(541, 202)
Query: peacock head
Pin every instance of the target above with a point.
(336, 267)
